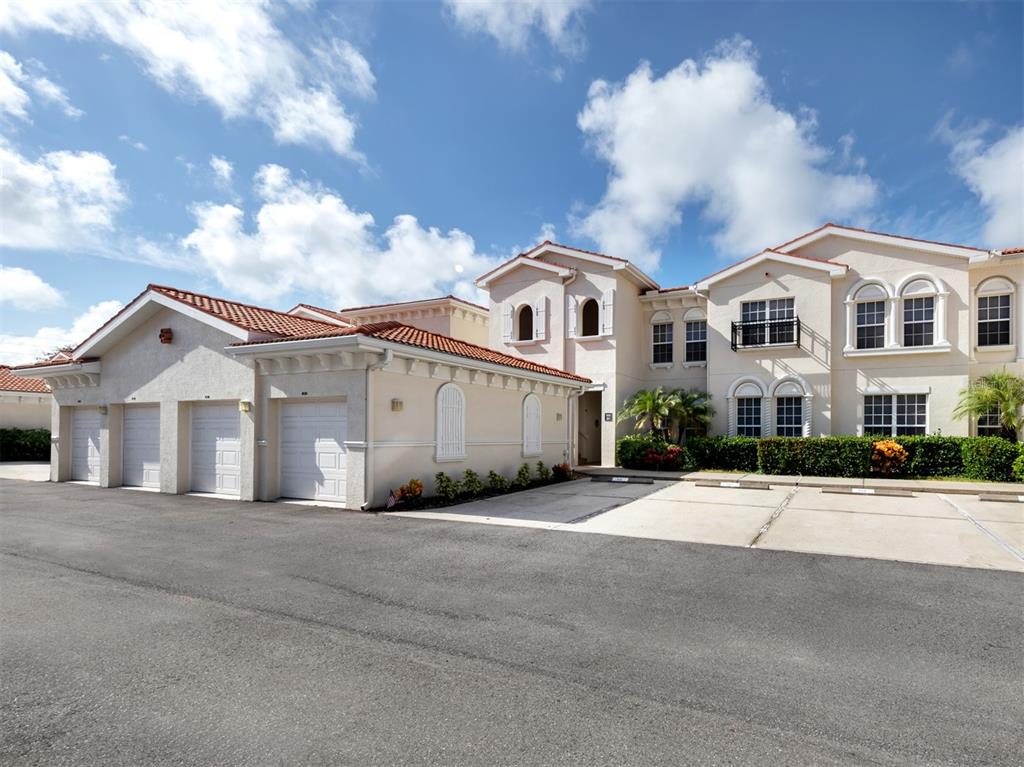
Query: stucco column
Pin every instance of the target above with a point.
(248, 456)
(175, 456)
(60, 444)
(892, 306)
(111, 446)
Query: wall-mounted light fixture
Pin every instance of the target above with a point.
(103, 409)
(558, 416)
(244, 406)
(166, 335)
(397, 405)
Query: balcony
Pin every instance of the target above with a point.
(762, 333)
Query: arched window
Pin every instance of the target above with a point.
(524, 323)
(920, 299)
(661, 338)
(995, 312)
(791, 407)
(869, 315)
(451, 423)
(590, 317)
(532, 444)
(746, 398)
(696, 325)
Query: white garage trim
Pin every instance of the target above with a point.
(314, 459)
(216, 449)
(141, 446)
(85, 444)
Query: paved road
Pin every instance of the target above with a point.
(139, 628)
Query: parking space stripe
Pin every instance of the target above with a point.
(1013, 550)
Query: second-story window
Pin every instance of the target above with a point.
(764, 322)
(697, 341)
(994, 320)
(871, 325)
(524, 323)
(919, 321)
(662, 342)
(590, 318)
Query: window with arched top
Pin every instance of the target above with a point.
(746, 399)
(661, 338)
(695, 323)
(791, 407)
(919, 297)
(995, 307)
(524, 323)
(532, 443)
(869, 305)
(590, 318)
(450, 433)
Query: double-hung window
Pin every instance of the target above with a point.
(789, 417)
(871, 325)
(764, 322)
(748, 416)
(994, 320)
(990, 423)
(895, 414)
(662, 343)
(919, 321)
(697, 341)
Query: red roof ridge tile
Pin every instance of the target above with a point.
(449, 297)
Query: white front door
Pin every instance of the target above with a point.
(85, 444)
(216, 449)
(141, 437)
(313, 460)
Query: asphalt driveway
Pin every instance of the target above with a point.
(137, 628)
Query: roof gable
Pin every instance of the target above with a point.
(879, 238)
(829, 267)
(522, 260)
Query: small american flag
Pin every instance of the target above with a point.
(391, 501)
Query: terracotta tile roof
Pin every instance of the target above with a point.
(398, 333)
(11, 382)
(869, 231)
(246, 316)
(449, 297)
(1011, 251)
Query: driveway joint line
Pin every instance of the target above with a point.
(1013, 550)
(775, 515)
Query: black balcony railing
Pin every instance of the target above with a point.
(746, 335)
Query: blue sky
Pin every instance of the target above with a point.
(345, 154)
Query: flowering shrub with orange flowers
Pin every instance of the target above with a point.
(888, 457)
(413, 489)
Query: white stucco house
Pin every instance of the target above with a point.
(25, 403)
(838, 331)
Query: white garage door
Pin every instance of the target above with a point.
(216, 449)
(313, 450)
(141, 446)
(85, 444)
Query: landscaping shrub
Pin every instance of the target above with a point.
(410, 491)
(446, 488)
(1018, 465)
(934, 456)
(496, 483)
(24, 445)
(561, 472)
(543, 472)
(990, 458)
(728, 453)
(523, 476)
(645, 451)
(813, 456)
(471, 484)
(888, 458)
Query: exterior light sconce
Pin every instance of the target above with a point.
(166, 335)
(558, 416)
(244, 406)
(397, 405)
(102, 409)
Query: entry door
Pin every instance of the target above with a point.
(141, 467)
(85, 444)
(216, 449)
(313, 460)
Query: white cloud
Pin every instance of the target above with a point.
(232, 54)
(511, 22)
(132, 143)
(994, 171)
(14, 98)
(708, 133)
(222, 169)
(19, 350)
(64, 200)
(24, 289)
(307, 238)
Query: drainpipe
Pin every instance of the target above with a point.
(368, 430)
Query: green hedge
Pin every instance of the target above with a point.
(990, 458)
(24, 444)
(643, 451)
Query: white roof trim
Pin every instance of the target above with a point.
(57, 369)
(313, 314)
(834, 270)
(515, 263)
(155, 297)
(876, 238)
(596, 258)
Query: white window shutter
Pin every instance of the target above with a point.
(451, 422)
(532, 426)
(571, 322)
(540, 319)
(506, 322)
(608, 312)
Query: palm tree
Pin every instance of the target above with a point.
(692, 410)
(650, 409)
(1000, 391)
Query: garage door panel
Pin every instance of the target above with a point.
(85, 444)
(141, 438)
(216, 449)
(313, 459)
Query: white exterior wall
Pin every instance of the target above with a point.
(25, 410)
